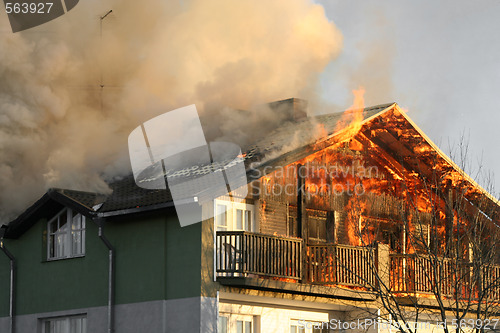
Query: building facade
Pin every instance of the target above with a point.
(335, 233)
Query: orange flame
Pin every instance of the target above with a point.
(352, 118)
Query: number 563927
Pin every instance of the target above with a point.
(28, 7)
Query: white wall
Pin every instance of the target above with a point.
(274, 320)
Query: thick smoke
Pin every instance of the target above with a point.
(60, 128)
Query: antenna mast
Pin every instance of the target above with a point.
(101, 83)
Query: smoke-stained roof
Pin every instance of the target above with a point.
(49, 204)
(303, 133)
(286, 145)
(127, 197)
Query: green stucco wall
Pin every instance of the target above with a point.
(183, 260)
(4, 285)
(155, 259)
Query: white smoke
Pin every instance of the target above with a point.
(59, 128)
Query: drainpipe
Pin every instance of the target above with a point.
(12, 299)
(302, 219)
(111, 274)
(301, 203)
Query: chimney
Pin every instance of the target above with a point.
(293, 108)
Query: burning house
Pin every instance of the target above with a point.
(349, 215)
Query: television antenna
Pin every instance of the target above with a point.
(101, 81)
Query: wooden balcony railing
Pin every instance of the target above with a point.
(491, 277)
(341, 265)
(240, 253)
(410, 273)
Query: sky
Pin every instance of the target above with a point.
(439, 60)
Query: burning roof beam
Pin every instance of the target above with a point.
(381, 155)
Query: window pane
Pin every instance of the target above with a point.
(77, 242)
(322, 230)
(78, 325)
(248, 220)
(312, 229)
(221, 218)
(83, 240)
(222, 325)
(52, 246)
(63, 219)
(75, 326)
(297, 329)
(62, 326)
(239, 326)
(60, 245)
(47, 327)
(66, 325)
(77, 221)
(239, 219)
(248, 327)
(53, 226)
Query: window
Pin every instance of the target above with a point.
(292, 228)
(74, 324)
(244, 326)
(234, 216)
(301, 326)
(243, 219)
(228, 252)
(236, 323)
(222, 324)
(317, 229)
(66, 235)
(296, 328)
(221, 217)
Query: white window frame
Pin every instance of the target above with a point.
(231, 213)
(233, 319)
(243, 319)
(66, 324)
(67, 235)
(226, 319)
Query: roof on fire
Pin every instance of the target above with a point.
(285, 145)
(127, 195)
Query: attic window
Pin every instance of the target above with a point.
(66, 235)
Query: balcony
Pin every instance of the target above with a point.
(245, 254)
(437, 275)
(259, 257)
(242, 253)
